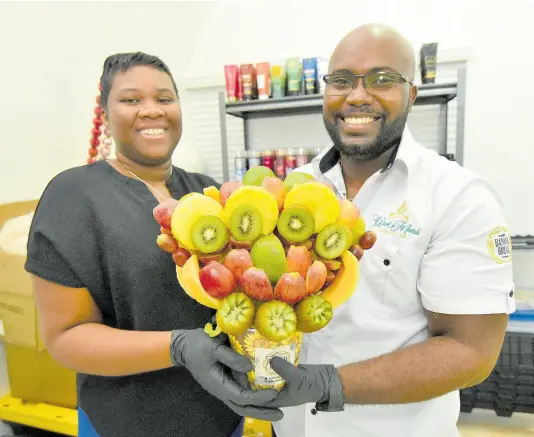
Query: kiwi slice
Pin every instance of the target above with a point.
(246, 223)
(236, 314)
(209, 234)
(275, 320)
(332, 241)
(296, 224)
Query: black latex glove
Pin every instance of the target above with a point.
(210, 361)
(308, 383)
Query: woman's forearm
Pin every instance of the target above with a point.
(97, 349)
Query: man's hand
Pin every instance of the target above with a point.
(208, 359)
(308, 383)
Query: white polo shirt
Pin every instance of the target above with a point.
(442, 245)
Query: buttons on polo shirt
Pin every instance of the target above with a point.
(511, 294)
(313, 411)
(387, 262)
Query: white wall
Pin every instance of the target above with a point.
(51, 67)
(496, 34)
(52, 57)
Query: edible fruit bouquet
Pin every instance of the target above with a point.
(272, 257)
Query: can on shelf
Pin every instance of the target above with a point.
(254, 158)
(240, 161)
(280, 163)
(290, 160)
(268, 158)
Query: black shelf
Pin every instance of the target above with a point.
(431, 94)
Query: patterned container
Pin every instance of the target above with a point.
(260, 350)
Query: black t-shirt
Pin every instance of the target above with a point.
(94, 228)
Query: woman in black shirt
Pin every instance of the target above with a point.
(109, 303)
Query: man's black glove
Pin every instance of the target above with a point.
(208, 359)
(308, 383)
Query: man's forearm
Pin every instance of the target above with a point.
(100, 350)
(413, 374)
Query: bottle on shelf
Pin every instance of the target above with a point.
(303, 155)
(254, 158)
(290, 160)
(240, 164)
(268, 158)
(280, 163)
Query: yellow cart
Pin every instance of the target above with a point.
(65, 420)
(42, 416)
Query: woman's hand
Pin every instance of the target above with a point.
(210, 362)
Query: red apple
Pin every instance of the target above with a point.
(238, 261)
(163, 213)
(256, 284)
(290, 288)
(298, 260)
(276, 187)
(316, 277)
(217, 280)
(227, 188)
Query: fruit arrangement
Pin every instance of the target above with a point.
(274, 259)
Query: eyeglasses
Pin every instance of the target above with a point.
(378, 84)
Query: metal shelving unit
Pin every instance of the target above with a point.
(523, 242)
(429, 94)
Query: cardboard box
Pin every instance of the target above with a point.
(18, 317)
(35, 376)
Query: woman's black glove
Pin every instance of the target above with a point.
(210, 362)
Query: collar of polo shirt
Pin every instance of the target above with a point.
(403, 152)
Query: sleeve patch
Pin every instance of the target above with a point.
(500, 245)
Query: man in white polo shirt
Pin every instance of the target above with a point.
(430, 311)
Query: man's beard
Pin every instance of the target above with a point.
(388, 137)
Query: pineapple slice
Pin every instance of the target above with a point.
(257, 197)
(190, 208)
(319, 199)
(212, 192)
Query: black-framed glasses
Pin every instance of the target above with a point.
(377, 83)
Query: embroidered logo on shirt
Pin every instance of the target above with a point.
(397, 223)
(500, 245)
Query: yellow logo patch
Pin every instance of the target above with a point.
(500, 245)
(396, 223)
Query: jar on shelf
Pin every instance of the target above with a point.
(290, 160)
(302, 155)
(240, 162)
(268, 158)
(280, 163)
(254, 158)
